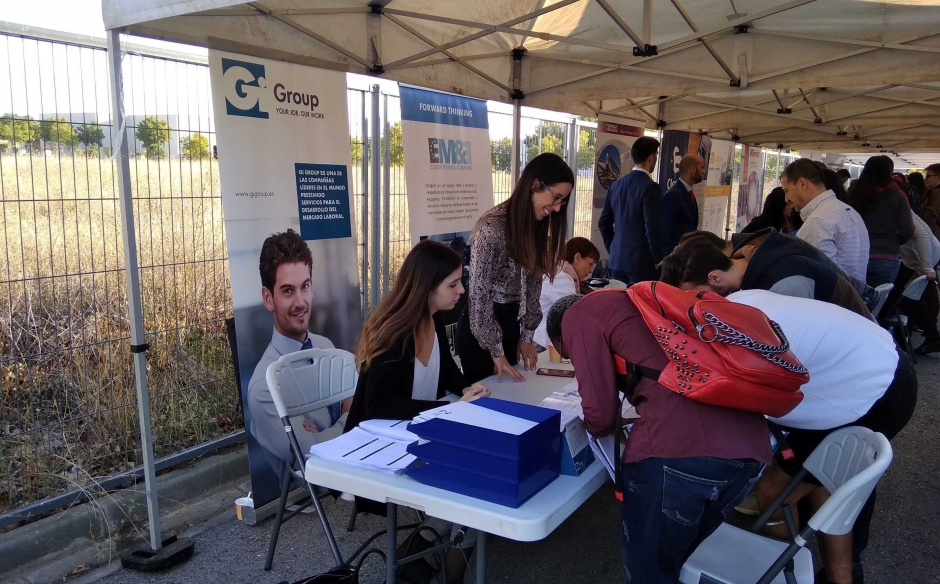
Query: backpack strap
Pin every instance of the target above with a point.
(628, 377)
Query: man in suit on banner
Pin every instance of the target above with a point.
(678, 208)
(629, 222)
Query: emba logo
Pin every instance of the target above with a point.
(444, 151)
(244, 83)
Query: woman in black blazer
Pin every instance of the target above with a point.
(405, 365)
(405, 335)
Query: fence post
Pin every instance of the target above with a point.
(135, 313)
(574, 141)
(376, 145)
(366, 157)
(386, 201)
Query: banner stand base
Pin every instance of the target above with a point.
(174, 551)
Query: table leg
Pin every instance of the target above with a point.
(391, 542)
(481, 558)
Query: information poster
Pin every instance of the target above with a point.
(614, 140)
(750, 199)
(718, 187)
(284, 160)
(448, 171)
(675, 145)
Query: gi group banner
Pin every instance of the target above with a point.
(448, 171)
(613, 143)
(718, 187)
(750, 194)
(284, 163)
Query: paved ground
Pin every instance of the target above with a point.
(905, 544)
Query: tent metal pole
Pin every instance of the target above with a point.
(516, 140)
(132, 274)
(573, 143)
(367, 153)
(375, 146)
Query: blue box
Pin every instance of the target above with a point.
(487, 464)
(508, 493)
(533, 441)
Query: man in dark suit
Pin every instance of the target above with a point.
(629, 222)
(678, 208)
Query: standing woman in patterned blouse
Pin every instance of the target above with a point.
(512, 246)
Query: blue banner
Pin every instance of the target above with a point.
(421, 105)
(323, 201)
(675, 145)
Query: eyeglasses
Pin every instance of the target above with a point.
(557, 200)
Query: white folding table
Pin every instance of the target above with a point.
(532, 521)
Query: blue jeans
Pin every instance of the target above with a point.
(881, 271)
(671, 505)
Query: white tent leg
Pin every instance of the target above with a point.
(375, 146)
(135, 313)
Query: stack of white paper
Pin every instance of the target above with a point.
(473, 415)
(604, 451)
(362, 449)
(565, 402)
(394, 429)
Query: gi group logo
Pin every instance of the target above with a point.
(449, 154)
(244, 83)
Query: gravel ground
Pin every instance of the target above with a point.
(905, 544)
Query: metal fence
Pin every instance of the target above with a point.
(68, 418)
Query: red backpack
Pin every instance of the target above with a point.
(722, 353)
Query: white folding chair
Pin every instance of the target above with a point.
(883, 291)
(849, 463)
(302, 382)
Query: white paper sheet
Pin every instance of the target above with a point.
(361, 449)
(474, 415)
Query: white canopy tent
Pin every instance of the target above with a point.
(836, 75)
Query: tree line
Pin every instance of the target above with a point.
(552, 140)
(152, 132)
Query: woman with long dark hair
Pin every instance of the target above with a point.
(772, 215)
(405, 365)
(512, 246)
(403, 356)
(887, 215)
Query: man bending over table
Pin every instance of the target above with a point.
(685, 465)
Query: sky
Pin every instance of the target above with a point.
(42, 80)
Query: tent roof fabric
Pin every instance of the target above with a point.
(837, 75)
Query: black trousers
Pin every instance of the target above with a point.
(474, 359)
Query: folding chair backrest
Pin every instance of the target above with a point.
(883, 291)
(849, 463)
(311, 379)
(915, 288)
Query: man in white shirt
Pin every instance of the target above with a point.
(833, 227)
(858, 377)
(286, 267)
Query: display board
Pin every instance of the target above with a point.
(448, 170)
(612, 147)
(284, 162)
